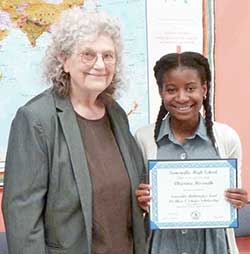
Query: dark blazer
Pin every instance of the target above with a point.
(47, 199)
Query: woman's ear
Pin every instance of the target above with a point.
(66, 66)
(64, 61)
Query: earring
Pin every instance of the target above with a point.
(204, 97)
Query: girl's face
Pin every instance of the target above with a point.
(183, 93)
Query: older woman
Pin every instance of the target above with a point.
(72, 165)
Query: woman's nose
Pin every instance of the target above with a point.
(99, 62)
(182, 96)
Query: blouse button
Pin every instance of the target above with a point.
(183, 156)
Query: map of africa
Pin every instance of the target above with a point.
(25, 27)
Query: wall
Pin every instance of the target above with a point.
(232, 63)
(1, 216)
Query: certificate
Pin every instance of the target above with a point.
(190, 193)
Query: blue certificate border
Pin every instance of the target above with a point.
(154, 165)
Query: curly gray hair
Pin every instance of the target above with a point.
(76, 26)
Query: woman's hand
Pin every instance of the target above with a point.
(237, 197)
(143, 196)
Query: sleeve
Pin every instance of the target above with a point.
(25, 185)
(234, 150)
(145, 140)
(229, 144)
(135, 151)
(139, 159)
(138, 140)
(137, 154)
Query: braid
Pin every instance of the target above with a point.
(206, 77)
(161, 114)
(166, 63)
(208, 119)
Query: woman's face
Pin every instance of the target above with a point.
(183, 93)
(92, 66)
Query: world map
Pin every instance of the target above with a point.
(32, 17)
(25, 32)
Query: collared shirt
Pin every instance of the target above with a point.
(197, 146)
(195, 241)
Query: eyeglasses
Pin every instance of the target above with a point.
(89, 56)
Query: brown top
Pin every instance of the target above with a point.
(111, 232)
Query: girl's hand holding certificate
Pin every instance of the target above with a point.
(237, 197)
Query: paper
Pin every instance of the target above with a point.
(190, 193)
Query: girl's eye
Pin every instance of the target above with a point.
(170, 90)
(190, 89)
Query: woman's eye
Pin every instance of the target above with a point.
(88, 55)
(108, 56)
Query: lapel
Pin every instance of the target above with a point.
(119, 127)
(72, 135)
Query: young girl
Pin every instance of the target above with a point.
(181, 132)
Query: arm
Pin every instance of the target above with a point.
(236, 196)
(143, 191)
(135, 151)
(232, 149)
(25, 185)
(141, 168)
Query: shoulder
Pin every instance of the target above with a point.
(43, 102)
(228, 141)
(145, 133)
(225, 133)
(39, 103)
(117, 113)
(39, 106)
(223, 127)
(114, 106)
(145, 140)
